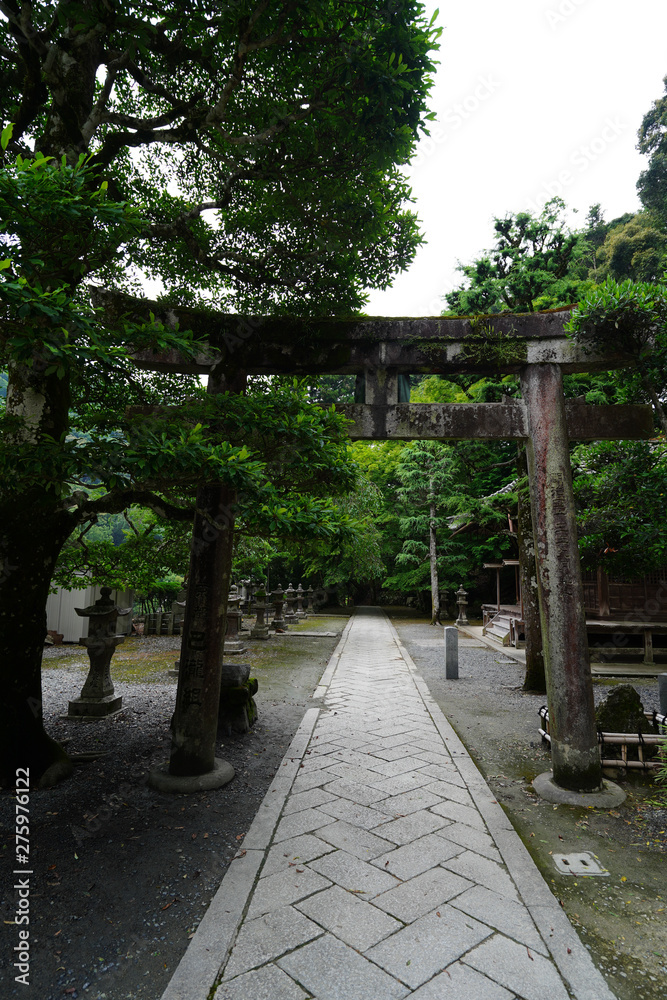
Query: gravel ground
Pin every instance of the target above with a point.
(123, 874)
(621, 916)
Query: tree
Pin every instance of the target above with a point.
(630, 318)
(533, 264)
(634, 250)
(424, 471)
(652, 183)
(247, 153)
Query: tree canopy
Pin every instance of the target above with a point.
(246, 154)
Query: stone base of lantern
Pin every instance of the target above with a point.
(234, 646)
(89, 709)
(259, 632)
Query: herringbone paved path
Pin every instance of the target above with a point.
(389, 870)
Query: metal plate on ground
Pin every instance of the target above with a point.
(579, 864)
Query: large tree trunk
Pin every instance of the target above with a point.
(31, 540)
(198, 695)
(33, 529)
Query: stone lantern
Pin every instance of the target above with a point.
(233, 642)
(278, 602)
(260, 630)
(290, 612)
(97, 699)
(461, 600)
(300, 594)
(309, 605)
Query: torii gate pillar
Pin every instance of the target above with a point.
(575, 754)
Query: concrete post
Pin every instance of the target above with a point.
(451, 653)
(574, 748)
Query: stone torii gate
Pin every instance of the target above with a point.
(533, 346)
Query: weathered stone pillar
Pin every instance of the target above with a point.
(195, 721)
(574, 749)
(530, 602)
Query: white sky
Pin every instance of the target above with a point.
(533, 98)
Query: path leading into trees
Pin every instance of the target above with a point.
(380, 866)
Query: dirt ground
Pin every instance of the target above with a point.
(123, 874)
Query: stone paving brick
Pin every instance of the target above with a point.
(311, 779)
(354, 921)
(268, 983)
(306, 800)
(508, 963)
(460, 814)
(484, 872)
(501, 913)
(267, 937)
(410, 900)
(444, 772)
(275, 891)
(415, 954)
(360, 842)
(301, 822)
(412, 827)
(413, 859)
(350, 772)
(363, 816)
(353, 874)
(401, 783)
(475, 840)
(458, 982)
(331, 970)
(453, 793)
(407, 802)
(301, 849)
(391, 768)
(363, 795)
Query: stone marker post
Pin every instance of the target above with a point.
(451, 653)
(574, 748)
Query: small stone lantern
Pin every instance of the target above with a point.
(278, 622)
(461, 600)
(290, 612)
(97, 699)
(260, 630)
(233, 642)
(310, 593)
(300, 594)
